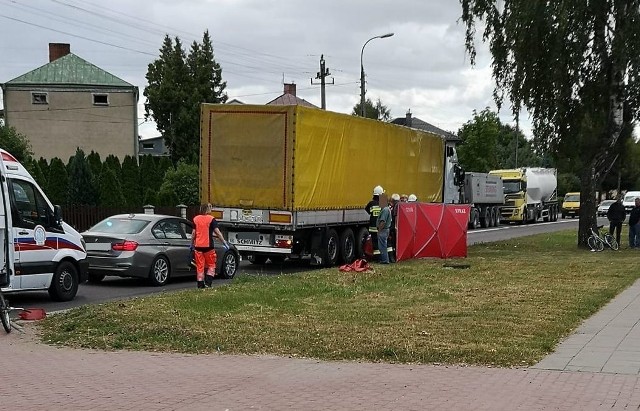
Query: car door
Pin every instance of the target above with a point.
(35, 234)
(171, 234)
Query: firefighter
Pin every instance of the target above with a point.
(373, 209)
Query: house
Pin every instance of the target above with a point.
(154, 146)
(289, 98)
(415, 122)
(69, 103)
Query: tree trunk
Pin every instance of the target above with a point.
(587, 205)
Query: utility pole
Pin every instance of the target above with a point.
(324, 72)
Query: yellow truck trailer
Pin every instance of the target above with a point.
(292, 181)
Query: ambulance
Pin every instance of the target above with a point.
(39, 250)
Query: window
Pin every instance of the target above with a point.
(120, 226)
(100, 99)
(28, 206)
(168, 229)
(148, 146)
(39, 98)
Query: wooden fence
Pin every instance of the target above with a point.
(82, 217)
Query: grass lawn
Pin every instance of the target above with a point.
(517, 300)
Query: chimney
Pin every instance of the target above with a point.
(408, 120)
(290, 89)
(57, 50)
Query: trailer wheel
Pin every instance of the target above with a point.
(347, 246)
(492, 217)
(475, 220)
(496, 220)
(484, 217)
(330, 247)
(361, 237)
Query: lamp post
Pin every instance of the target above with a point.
(384, 36)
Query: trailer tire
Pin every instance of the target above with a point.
(496, 216)
(475, 220)
(484, 217)
(64, 284)
(492, 217)
(361, 237)
(330, 247)
(347, 246)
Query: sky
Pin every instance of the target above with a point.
(261, 44)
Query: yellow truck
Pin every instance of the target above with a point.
(292, 181)
(530, 194)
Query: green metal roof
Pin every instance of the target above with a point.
(69, 70)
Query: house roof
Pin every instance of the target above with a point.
(69, 70)
(423, 125)
(288, 99)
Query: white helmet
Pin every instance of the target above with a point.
(395, 197)
(378, 190)
(412, 198)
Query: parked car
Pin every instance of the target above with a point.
(152, 246)
(571, 205)
(603, 207)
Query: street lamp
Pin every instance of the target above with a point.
(384, 36)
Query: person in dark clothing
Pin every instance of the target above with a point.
(616, 216)
(373, 209)
(634, 227)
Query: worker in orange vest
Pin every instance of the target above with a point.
(205, 228)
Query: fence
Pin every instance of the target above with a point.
(82, 217)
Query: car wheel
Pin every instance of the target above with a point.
(64, 284)
(159, 273)
(96, 278)
(229, 265)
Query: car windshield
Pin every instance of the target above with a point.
(630, 199)
(607, 203)
(120, 226)
(572, 198)
(511, 187)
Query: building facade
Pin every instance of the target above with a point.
(70, 103)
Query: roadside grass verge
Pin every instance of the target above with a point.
(514, 303)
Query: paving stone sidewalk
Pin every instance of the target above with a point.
(596, 368)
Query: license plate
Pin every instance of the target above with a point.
(249, 238)
(98, 246)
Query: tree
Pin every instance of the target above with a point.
(576, 67)
(114, 163)
(81, 185)
(377, 111)
(58, 182)
(177, 85)
(131, 188)
(149, 176)
(110, 189)
(44, 167)
(15, 143)
(487, 144)
(183, 183)
(33, 167)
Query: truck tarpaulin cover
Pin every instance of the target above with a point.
(299, 158)
(432, 230)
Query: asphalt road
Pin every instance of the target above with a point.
(115, 288)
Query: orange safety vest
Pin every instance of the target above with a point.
(205, 225)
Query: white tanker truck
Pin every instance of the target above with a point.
(530, 195)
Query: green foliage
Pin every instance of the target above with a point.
(181, 184)
(114, 163)
(44, 168)
(58, 182)
(487, 144)
(568, 182)
(33, 167)
(163, 163)
(150, 197)
(149, 176)
(81, 185)
(15, 143)
(177, 85)
(95, 163)
(131, 187)
(377, 111)
(575, 65)
(110, 189)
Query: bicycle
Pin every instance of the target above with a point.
(597, 241)
(5, 313)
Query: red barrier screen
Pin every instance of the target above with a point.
(431, 230)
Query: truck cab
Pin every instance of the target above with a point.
(571, 205)
(39, 250)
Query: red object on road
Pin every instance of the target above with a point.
(32, 314)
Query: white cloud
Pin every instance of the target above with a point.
(258, 43)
